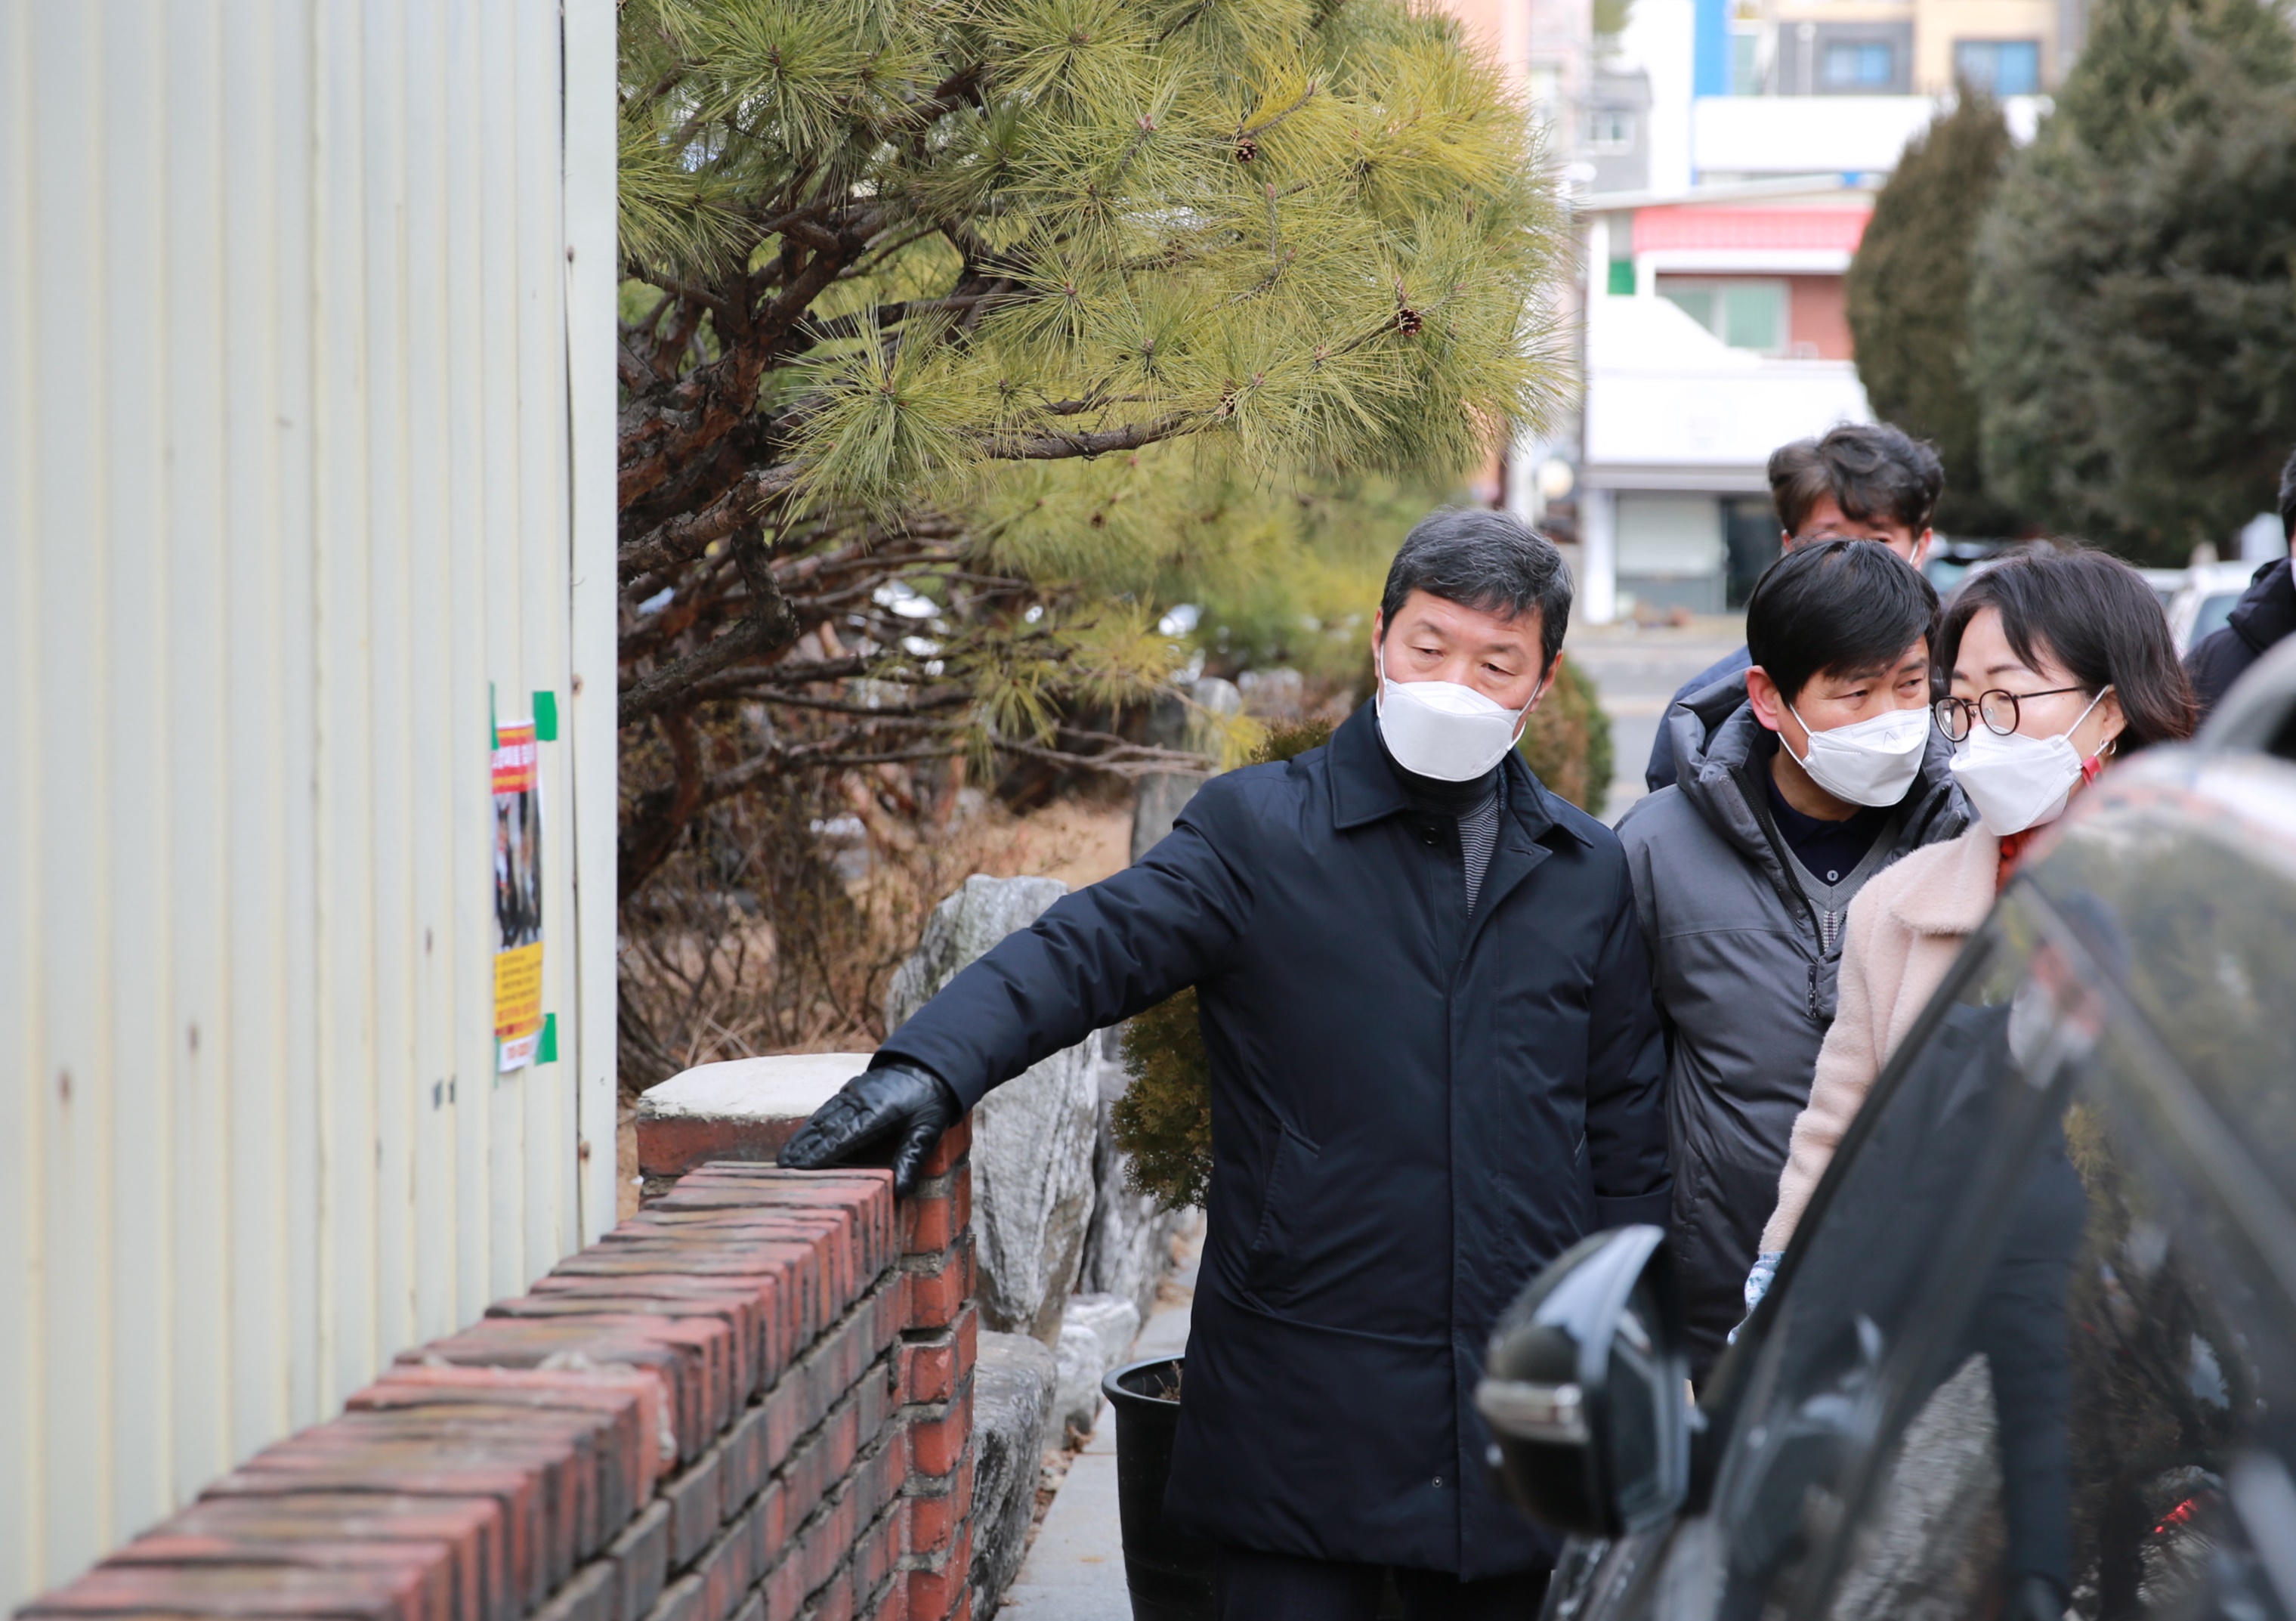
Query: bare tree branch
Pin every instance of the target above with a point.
(684, 538)
(661, 686)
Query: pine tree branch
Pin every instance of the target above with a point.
(751, 679)
(1246, 131)
(1125, 760)
(667, 436)
(919, 708)
(1049, 447)
(682, 539)
(768, 624)
(874, 257)
(839, 327)
(651, 830)
(659, 688)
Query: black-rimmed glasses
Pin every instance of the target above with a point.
(1955, 717)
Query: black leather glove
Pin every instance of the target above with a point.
(910, 1106)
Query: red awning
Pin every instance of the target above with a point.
(1678, 225)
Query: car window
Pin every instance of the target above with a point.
(2069, 1389)
(1857, 1293)
(2215, 613)
(2214, 978)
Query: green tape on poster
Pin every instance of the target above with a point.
(545, 717)
(546, 1050)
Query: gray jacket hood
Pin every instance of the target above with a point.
(1720, 744)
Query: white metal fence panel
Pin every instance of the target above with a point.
(305, 439)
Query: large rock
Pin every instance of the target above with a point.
(1012, 1413)
(1034, 1139)
(1130, 1248)
(1096, 1332)
(1273, 694)
(1163, 796)
(1177, 722)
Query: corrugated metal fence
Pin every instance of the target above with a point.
(305, 472)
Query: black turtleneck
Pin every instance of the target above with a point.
(1473, 804)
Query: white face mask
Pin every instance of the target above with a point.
(1871, 761)
(2019, 782)
(1442, 730)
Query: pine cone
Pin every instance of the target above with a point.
(1408, 321)
(1246, 149)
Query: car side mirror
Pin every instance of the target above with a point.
(1587, 1388)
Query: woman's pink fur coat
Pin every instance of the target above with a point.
(1903, 932)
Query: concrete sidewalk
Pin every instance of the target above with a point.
(1075, 1568)
(1636, 668)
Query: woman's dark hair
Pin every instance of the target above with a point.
(1490, 561)
(1850, 605)
(2094, 616)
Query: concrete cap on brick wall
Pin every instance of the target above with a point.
(745, 1108)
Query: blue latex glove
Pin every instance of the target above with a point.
(1758, 1281)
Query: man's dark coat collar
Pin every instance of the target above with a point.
(1364, 787)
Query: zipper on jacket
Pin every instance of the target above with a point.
(1779, 878)
(1813, 992)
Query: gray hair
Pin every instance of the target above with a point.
(1489, 561)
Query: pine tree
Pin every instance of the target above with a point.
(2133, 315)
(1907, 292)
(959, 333)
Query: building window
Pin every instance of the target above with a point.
(1609, 129)
(1545, 93)
(1745, 62)
(1998, 67)
(1864, 64)
(1747, 314)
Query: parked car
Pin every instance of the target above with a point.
(1952, 558)
(2165, 582)
(2032, 1352)
(2210, 592)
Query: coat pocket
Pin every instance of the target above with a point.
(1269, 1261)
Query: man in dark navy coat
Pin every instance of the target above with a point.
(1435, 1065)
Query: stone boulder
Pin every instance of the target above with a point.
(1176, 722)
(1273, 694)
(1012, 1412)
(1034, 1139)
(1130, 1248)
(1096, 1335)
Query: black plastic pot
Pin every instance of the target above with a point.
(1169, 1572)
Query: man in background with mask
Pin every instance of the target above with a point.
(1435, 1065)
(1796, 787)
(1862, 480)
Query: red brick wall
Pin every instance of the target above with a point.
(753, 1400)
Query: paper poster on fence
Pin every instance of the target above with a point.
(518, 896)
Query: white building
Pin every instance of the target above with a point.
(1721, 192)
(1715, 334)
(306, 455)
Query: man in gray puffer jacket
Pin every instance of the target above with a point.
(1800, 780)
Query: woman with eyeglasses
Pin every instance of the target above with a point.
(2061, 663)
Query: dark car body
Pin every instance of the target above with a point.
(2033, 1349)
